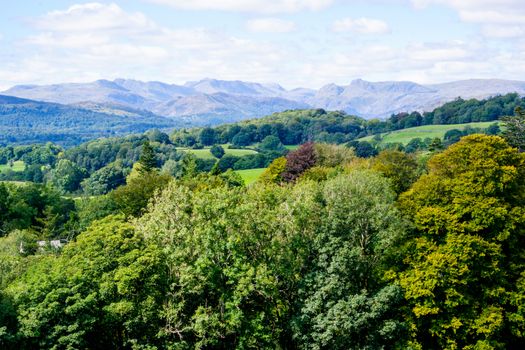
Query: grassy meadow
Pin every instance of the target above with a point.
(432, 131)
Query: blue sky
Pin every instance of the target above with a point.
(305, 43)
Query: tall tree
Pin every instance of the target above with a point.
(465, 261)
(344, 303)
(148, 159)
(515, 129)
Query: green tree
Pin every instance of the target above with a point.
(273, 173)
(463, 263)
(332, 155)
(103, 291)
(217, 151)
(104, 180)
(148, 159)
(515, 129)
(133, 198)
(344, 303)
(234, 256)
(207, 136)
(66, 176)
(435, 145)
(399, 167)
(271, 143)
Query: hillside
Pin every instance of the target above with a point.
(427, 131)
(211, 101)
(24, 121)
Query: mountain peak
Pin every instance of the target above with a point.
(213, 99)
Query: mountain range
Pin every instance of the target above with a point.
(211, 101)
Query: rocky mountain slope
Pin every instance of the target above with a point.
(212, 101)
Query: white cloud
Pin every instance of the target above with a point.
(254, 6)
(498, 18)
(270, 25)
(92, 41)
(110, 42)
(94, 17)
(361, 25)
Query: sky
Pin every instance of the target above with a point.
(295, 43)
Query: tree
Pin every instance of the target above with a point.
(133, 198)
(343, 301)
(227, 162)
(271, 143)
(66, 176)
(148, 159)
(156, 135)
(242, 139)
(207, 136)
(104, 180)
(400, 168)
(273, 174)
(234, 257)
(436, 145)
(104, 290)
(515, 129)
(463, 267)
(332, 155)
(363, 149)
(217, 151)
(299, 161)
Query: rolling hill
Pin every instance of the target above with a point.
(27, 121)
(426, 131)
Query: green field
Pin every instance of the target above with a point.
(17, 166)
(16, 183)
(251, 175)
(432, 131)
(205, 152)
(291, 147)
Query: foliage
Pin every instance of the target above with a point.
(344, 303)
(332, 155)
(363, 149)
(400, 168)
(299, 161)
(147, 160)
(515, 129)
(103, 291)
(232, 290)
(217, 151)
(66, 176)
(104, 180)
(271, 143)
(132, 199)
(272, 174)
(34, 207)
(464, 262)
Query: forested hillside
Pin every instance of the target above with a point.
(97, 167)
(325, 251)
(25, 121)
(297, 126)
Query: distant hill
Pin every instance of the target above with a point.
(28, 121)
(211, 101)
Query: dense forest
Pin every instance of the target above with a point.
(326, 250)
(99, 166)
(25, 121)
(293, 127)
